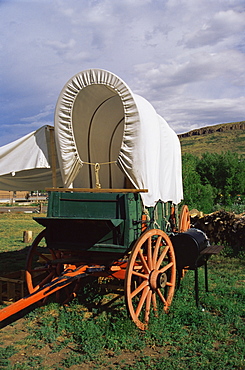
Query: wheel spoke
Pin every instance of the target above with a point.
(139, 288)
(162, 256)
(154, 302)
(161, 296)
(39, 254)
(38, 271)
(44, 281)
(143, 276)
(48, 278)
(143, 261)
(156, 249)
(149, 253)
(165, 268)
(142, 300)
(148, 306)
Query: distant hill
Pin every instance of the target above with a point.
(215, 139)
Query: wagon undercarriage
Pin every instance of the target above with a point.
(148, 274)
(65, 252)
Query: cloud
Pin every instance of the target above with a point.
(204, 73)
(224, 25)
(49, 109)
(181, 111)
(186, 57)
(61, 46)
(31, 123)
(68, 51)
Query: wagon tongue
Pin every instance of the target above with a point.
(16, 310)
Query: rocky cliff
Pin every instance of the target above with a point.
(216, 128)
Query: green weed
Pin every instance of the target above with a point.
(5, 354)
(96, 330)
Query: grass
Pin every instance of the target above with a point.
(13, 250)
(90, 334)
(215, 142)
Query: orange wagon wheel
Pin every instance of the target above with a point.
(150, 277)
(185, 221)
(39, 267)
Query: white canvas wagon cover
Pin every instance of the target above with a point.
(26, 163)
(108, 136)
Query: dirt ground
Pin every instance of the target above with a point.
(17, 334)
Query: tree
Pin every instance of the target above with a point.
(196, 194)
(225, 172)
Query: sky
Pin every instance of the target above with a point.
(186, 57)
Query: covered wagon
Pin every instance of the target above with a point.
(117, 209)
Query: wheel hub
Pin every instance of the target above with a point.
(162, 280)
(157, 280)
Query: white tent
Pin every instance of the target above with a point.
(29, 163)
(106, 135)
